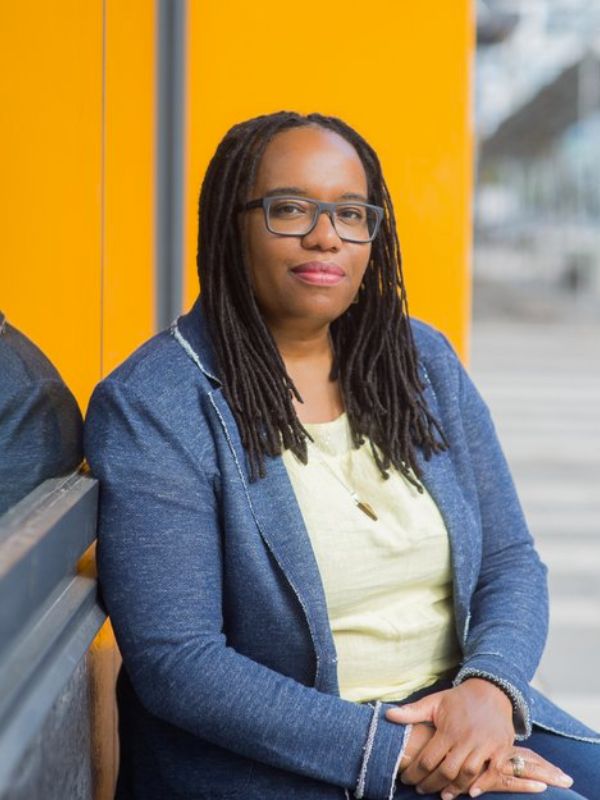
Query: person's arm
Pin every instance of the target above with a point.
(160, 570)
(509, 608)
(507, 625)
(41, 435)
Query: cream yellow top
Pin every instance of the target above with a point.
(388, 583)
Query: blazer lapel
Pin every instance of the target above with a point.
(278, 517)
(272, 502)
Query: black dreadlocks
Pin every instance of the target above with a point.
(375, 357)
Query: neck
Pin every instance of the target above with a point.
(303, 342)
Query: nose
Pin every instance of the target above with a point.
(323, 234)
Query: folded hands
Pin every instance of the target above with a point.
(462, 741)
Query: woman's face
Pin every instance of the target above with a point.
(319, 164)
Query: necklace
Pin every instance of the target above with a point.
(365, 507)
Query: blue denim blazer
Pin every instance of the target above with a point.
(229, 686)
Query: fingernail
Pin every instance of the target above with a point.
(539, 785)
(565, 779)
(419, 791)
(447, 796)
(475, 792)
(404, 780)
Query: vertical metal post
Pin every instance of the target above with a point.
(170, 154)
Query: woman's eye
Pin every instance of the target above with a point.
(287, 209)
(351, 214)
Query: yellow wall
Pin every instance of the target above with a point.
(77, 204)
(77, 87)
(128, 274)
(78, 149)
(51, 186)
(76, 195)
(399, 72)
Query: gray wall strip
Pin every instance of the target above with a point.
(170, 159)
(32, 698)
(40, 545)
(49, 614)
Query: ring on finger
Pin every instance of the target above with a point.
(518, 766)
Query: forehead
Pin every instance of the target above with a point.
(311, 158)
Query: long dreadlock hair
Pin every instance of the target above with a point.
(375, 357)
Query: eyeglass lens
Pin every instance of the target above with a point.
(293, 216)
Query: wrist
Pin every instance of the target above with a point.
(493, 668)
(487, 688)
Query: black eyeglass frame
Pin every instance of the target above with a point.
(328, 208)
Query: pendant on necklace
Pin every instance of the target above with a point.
(367, 509)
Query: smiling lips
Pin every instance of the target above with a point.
(324, 273)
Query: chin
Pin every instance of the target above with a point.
(330, 304)
(325, 312)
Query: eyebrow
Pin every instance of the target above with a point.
(302, 192)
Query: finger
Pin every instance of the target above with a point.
(418, 737)
(426, 761)
(420, 711)
(492, 781)
(458, 770)
(452, 790)
(538, 769)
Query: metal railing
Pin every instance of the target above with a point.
(49, 610)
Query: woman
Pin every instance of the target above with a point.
(284, 476)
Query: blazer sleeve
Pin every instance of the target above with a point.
(160, 572)
(509, 607)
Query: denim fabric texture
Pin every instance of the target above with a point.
(229, 683)
(41, 427)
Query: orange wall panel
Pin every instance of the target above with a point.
(51, 187)
(77, 91)
(128, 276)
(400, 73)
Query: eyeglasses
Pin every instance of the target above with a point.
(287, 215)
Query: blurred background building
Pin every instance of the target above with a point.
(537, 202)
(536, 302)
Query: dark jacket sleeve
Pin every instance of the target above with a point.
(508, 622)
(160, 571)
(41, 432)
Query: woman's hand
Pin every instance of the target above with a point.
(535, 776)
(473, 726)
(420, 734)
